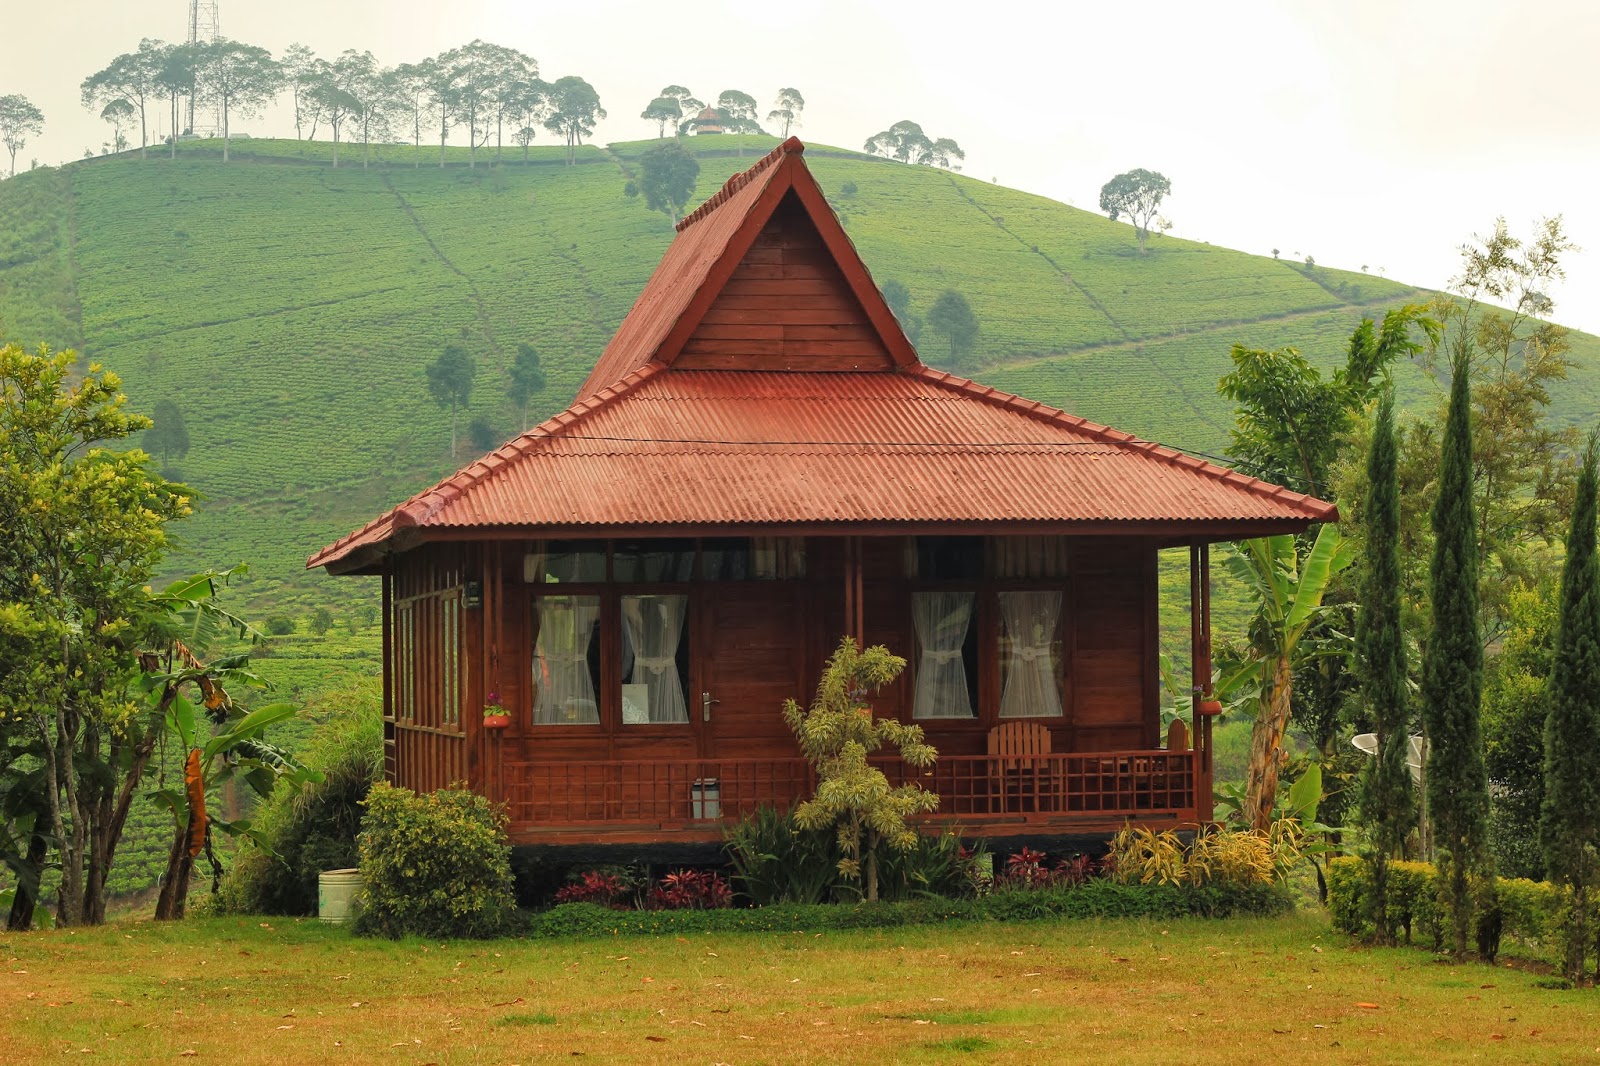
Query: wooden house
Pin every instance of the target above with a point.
(758, 465)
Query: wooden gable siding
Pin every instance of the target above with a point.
(787, 306)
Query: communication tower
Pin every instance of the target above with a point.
(202, 30)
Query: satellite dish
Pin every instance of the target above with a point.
(1416, 754)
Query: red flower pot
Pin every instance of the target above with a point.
(496, 721)
(1209, 708)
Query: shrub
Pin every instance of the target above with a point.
(940, 866)
(774, 861)
(1528, 911)
(314, 828)
(279, 626)
(600, 888)
(691, 890)
(1094, 899)
(436, 865)
(1234, 858)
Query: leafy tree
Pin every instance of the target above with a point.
(907, 142)
(1138, 195)
(167, 436)
(785, 112)
(483, 436)
(688, 105)
(321, 621)
(474, 74)
(175, 76)
(131, 79)
(574, 110)
(85, 531)
(515, 93)
(738, 111)
(450, 383)
(411, 94)
(1521, 465)
(898, 297)
(119, 113)
(1287, 595)
(664, 111)
(951, 317)
(376, 95)
(19, 120)
(238, 78)
(334, 87)
(1452, 672)
(439, 79)
(1515, 706)
(527, 379)
(837, 735)
(299, 65)
(667, 175)
(1386, 803)
(1569, 828)
(1291, 423)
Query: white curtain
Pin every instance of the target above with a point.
(1028, 686)
(564, 690)
(942, 619)
(653, 626)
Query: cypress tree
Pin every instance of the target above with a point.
(1387, 805)
(1569, 828)
(1452, 669)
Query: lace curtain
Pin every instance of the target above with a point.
(653, 626)
(942, 620)
(1028, 685)
(564, 690)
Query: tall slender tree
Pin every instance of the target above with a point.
(240, 79)
(1569, 829)
(785, 113)
(130, 78)
(1452, 671)
(19, 120)
(574, 110)
(1386, 802)
(450, 383)
(526, 379)
(299, 67)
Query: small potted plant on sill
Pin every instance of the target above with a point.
(494, 715)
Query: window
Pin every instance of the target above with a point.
(753, 558)
(649, 561)
(945, 558)
(1030, 654)
(946, 647)
(566, 661)
(654, 659)
(566, 561)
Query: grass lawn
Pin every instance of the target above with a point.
(288, 991)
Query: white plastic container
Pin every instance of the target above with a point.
(338, 895)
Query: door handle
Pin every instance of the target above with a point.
(705, 706)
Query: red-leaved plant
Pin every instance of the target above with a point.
(686, 890)
(592, 886)
(1029, 869)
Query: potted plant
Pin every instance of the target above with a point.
(495, 715)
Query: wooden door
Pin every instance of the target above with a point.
(752, 656)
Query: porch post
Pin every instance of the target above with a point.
(854, 613)
(1200, 655)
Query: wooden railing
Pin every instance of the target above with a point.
(1056, 788)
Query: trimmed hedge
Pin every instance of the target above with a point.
(1530, 910)
(1094, 899)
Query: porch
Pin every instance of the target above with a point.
(692, 800)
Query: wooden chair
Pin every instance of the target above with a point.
(1177, 736)
(1017, 767)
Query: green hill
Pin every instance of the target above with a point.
(288, 307)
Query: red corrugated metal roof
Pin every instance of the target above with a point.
(649, 446)
(725, 448)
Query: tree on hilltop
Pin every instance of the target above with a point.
(19, 120)
(664, 111)
(951, 317)
(299, 65)
(439, 82)
(517, 90)
(906, 142)
(474, 73)
(332, 88)
(119, 115)
(738, 111)
(175, 76)
(785, 113)
(667, 175)
(688, 105)
(527, 379)
(131, 79)
(1138, 195)
(574, 110)
(167, 436)
(450, 383)
(237, 78)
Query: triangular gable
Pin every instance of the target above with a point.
(776, 201)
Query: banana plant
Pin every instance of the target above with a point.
(1288, 594)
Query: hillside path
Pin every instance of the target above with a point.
(472, 288)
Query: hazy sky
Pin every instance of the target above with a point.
(1376, 132)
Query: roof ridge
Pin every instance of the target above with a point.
(409, 513)
(792, 146)
(1318, 510)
